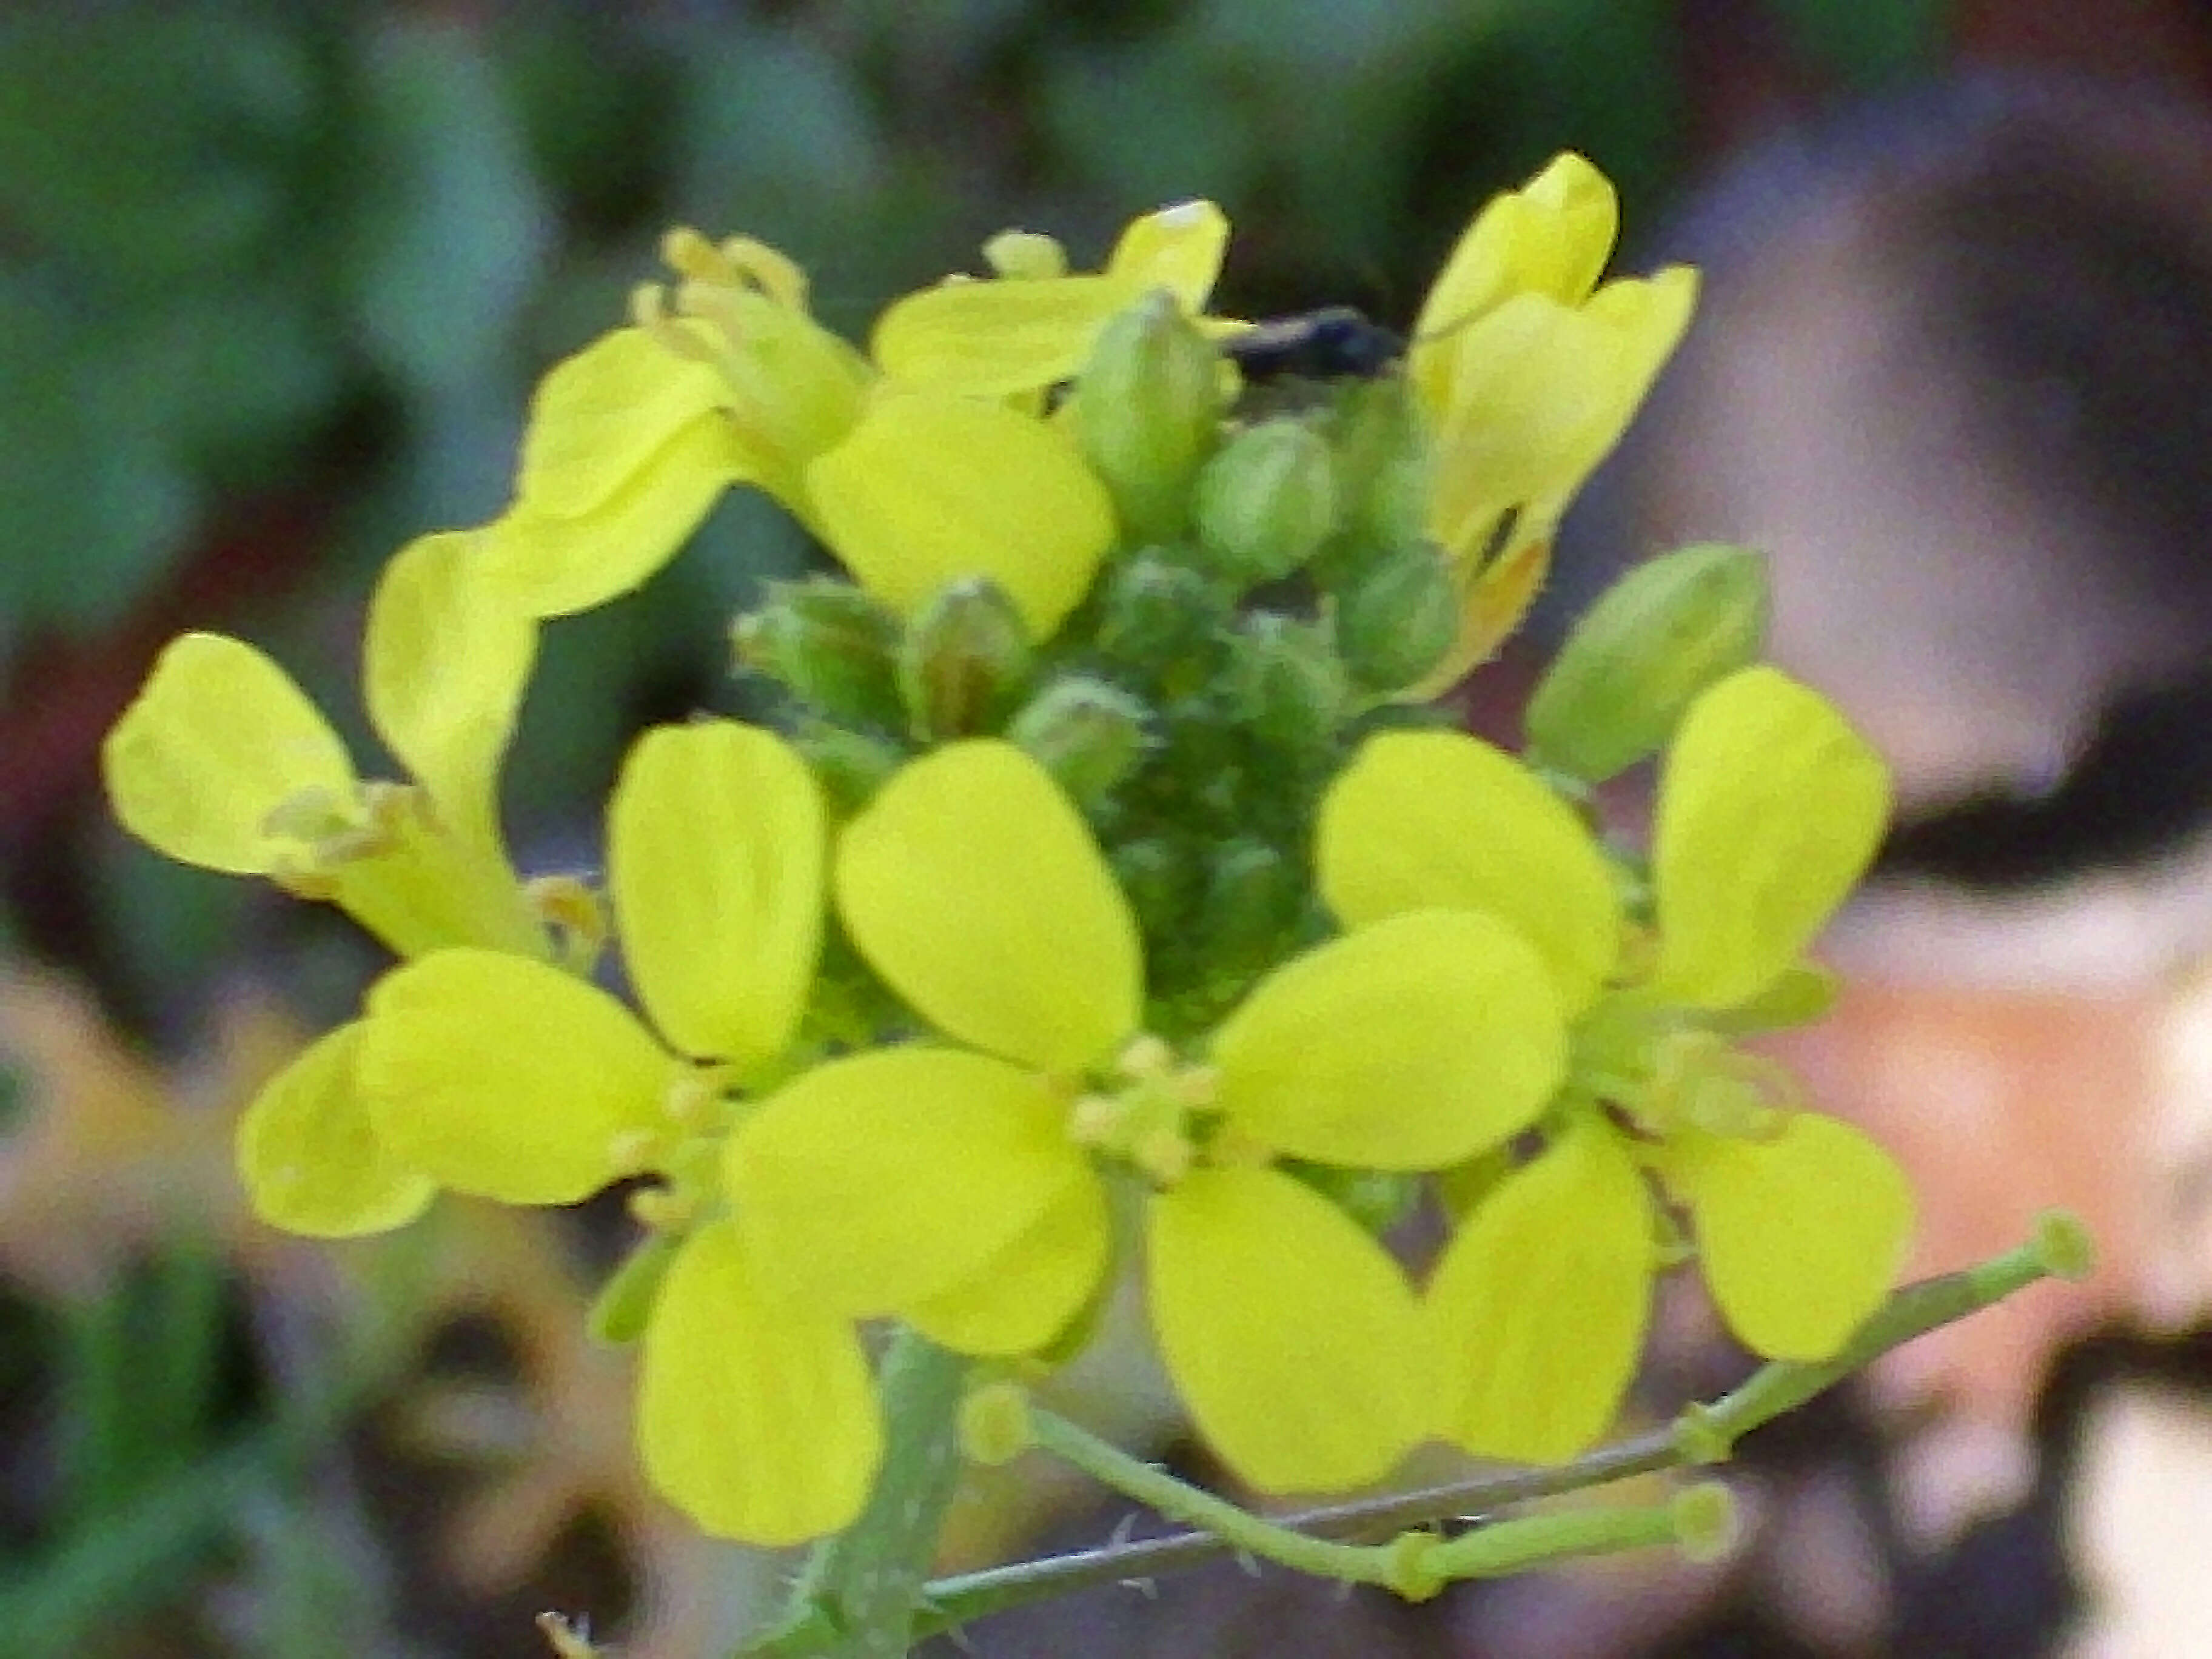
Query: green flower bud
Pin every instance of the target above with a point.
(1266, 501)
(1088, 734)
(851, 766)
(1397, 619)
(618, 1313)
(1639, 657)
(1148, 411)
(1285, 683)
(1254, 896)
(964, 659)
(1384, 463)
(829, 645)
(1161, 877)
(1156, 612)
(1378, 1200)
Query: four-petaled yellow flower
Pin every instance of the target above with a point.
(632, 440)
(514, 1080)
(221, 761)
(1770, 808)
(965, 1189)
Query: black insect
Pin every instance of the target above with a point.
(1334, 343)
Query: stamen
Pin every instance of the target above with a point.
(687, 253)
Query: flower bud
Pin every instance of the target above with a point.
(1254, 896)
(1266, 501)
(1285, 683)
(829, 645)
(1639, 657)
(1156, 611)
(1148, 409)
(1161, 879)
(850, 766)
(963, 660)
(1396, 620)
(1088, 734)
(1384, 463)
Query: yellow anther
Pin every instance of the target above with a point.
(688, 254)
(761, 268)
(630, 1151)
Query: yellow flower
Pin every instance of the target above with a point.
(510, 1079)
(1529, 370)
(1769, 807)
(632, 440)
(221, 761)
(1033, 326)
(964, 1188)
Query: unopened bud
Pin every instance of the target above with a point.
(1088, 734)
(1160, 878)
(1285, 681)
(828, 644)
(1255, 896)
(619, 1312)
(1148, 409)
(1384, 463)
(1639, 657)
(1266, 501)
(963, 660)
(851, 766)
(1157, 611)
(1396, 620)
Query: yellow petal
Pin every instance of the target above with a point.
(310, 1161)
(1423, 820)
(1178, 249)
(893, 1178)
(446, 657)
(509, 1078)
(1770, 809)
(554, 566)
(1025, 1296)
(602, 417)
(1291, 1334)
(1550, 237)
(756, 1414)
(998, 338)
(1536, 1310)
(218, 740)
(1539, 394)
(715, 854)
(929, 488)
(972, 886)
(1412, 1044)
(1801, 1236)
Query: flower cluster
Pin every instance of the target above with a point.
(1108, 900)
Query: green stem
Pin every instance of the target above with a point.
(1704, 1434)
(860, 1593)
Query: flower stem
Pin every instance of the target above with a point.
(860, 1592)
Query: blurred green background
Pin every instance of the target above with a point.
(275, 283)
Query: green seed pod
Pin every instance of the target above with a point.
(1397, 619)
(1266, 501)
(1640, 655)
(1088, 734)
(1148, 412)
(829, 645)
(964, 659)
